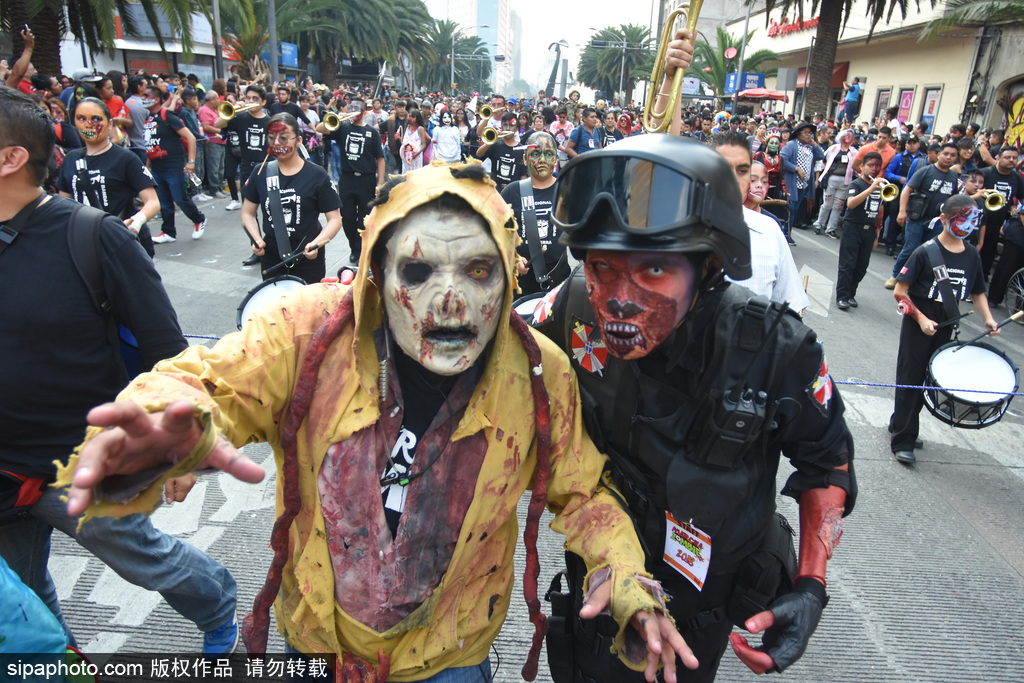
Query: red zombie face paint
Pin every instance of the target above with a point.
(281, 139)
(963, 221)
(90, 122)
(638, 297)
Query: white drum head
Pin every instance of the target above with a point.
(973, 367)
(266, 294)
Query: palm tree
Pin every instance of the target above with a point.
(434, 70)
(711, 65)
(93, 22)
(605, 63)
(834, 13)
(961, 12)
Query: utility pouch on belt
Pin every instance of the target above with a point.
(915, 205)
(732, 426)
(765, 574)
(559, 636)
(18, 494)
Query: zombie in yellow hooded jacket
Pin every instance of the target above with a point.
(434, 596)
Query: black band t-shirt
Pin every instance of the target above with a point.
(1012, 188)
(164, 147)
(867, 212)
(252, 138)
(938, 187)
(115, 178)
(542, 204)
(506, 164)
(360, 147)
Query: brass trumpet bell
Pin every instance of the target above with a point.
(890, 191)
(490, 135)
(994, 200)
(485, 112)
(227, 111)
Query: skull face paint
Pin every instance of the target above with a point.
(638, 297)
(963, 221)
(541, 156)
(443, 289)
(90, 122)
(281, 139)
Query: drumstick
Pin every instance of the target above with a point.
(988, 332)
(953, 320)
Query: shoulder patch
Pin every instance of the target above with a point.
(820, 390)
(588, 349)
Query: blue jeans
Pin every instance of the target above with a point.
(798, 206)
(198, 587)
(170, 188)
(481, 673)
(336, 155)
(913, 236)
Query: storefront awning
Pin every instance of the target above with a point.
(839, 73)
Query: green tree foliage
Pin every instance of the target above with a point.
(472, 59)
(711, 65)
(601, 62)
(960, 12)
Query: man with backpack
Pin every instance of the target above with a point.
(58, 338)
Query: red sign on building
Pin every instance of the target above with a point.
(775, 29)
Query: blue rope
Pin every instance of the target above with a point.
(835, 381)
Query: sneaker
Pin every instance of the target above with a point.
(162, 238)
(906, 457)
(834, 234)
(233, 205)
(217, 195)
(202, 197)
(890, 283)
(843, 304)
(853, 302)
(222, 640)
(200, 229)
(791, 241)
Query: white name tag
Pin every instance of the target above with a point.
(845, 158)
(687, 550)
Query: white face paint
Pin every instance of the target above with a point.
(444, 286)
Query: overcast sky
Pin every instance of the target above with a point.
(548, 21)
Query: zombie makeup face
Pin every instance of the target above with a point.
(963, 221)
(638, 297)
(541, 157)
(281, 139)
(446, 119)
(772, 146)
(443, 289)
(90, 122)
(352, 108)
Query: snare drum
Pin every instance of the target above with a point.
(977, 366)
(265, 293)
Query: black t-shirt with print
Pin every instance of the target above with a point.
(290, 108)
(115, 177)
(543, 203)
(867, 212)
(938, 186)
(164, 147)
(965, 276)
(304, 197)
(252, 137)
(1012, 187)
(360, 147)
(506, 164)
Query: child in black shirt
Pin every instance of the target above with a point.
(919, 297)
(860, 231)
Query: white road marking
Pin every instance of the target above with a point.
(65, 570)
(819, 291)
(181, 518)
(105, 641)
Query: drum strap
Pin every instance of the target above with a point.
(938, 266)
(278, 226)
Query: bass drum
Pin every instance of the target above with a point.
(525, 306)
(958, 379)
(265, 293)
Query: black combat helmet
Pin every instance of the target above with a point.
(654, 193)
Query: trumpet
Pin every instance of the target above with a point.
(994, 200)
(332, 121)
(227, 111)
(491, 135)
(689, 11)
(485, 112)
(890, 191)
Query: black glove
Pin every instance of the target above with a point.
(796, 616)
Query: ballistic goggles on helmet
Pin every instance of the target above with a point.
(645, 197)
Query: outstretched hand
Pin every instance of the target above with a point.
(136, 441)
(655, 628)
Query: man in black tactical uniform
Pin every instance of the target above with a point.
(694, 387)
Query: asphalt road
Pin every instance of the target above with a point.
(927, 583)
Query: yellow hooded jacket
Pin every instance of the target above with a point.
(244, 384)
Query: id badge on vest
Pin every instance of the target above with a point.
(687, 550)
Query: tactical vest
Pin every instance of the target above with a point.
(694, 439)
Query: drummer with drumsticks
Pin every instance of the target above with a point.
(929, 317)
(293, 194)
